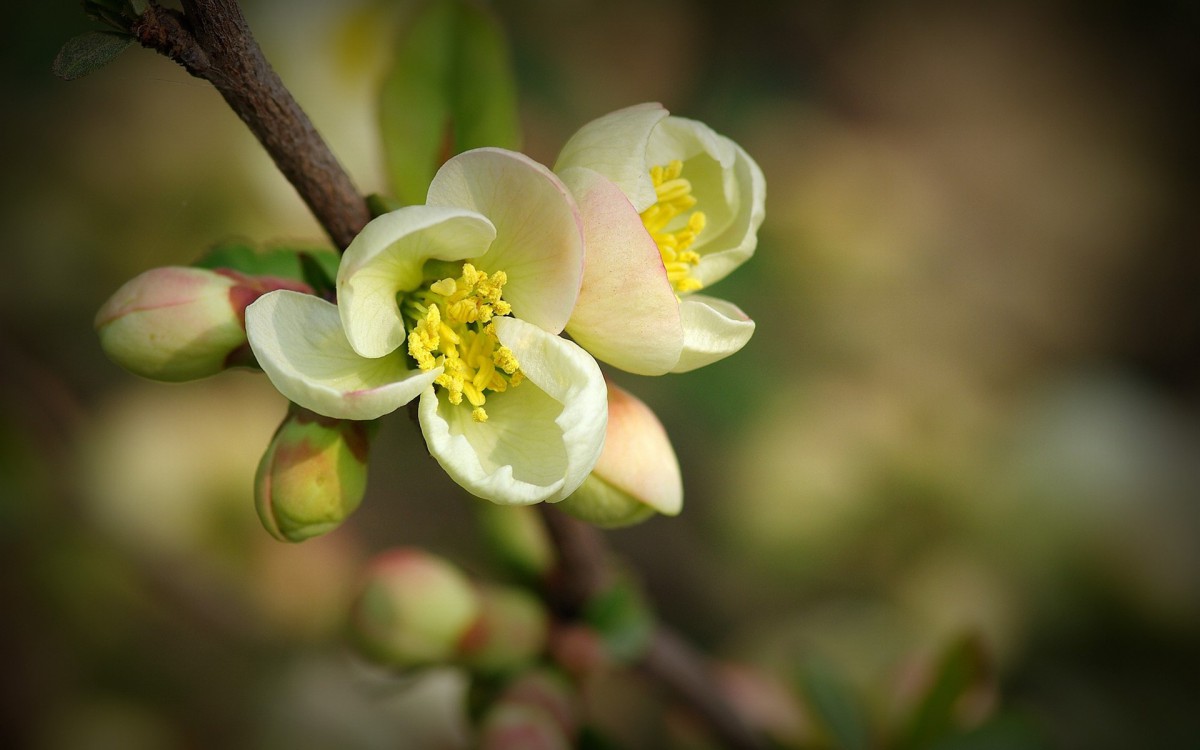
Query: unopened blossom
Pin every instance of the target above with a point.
(312, 476)
(637, 474)
(177, 323)
(669, 208)
(457, 303)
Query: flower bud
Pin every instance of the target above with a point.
(637, 474)
(517, 536)
(413, 609)
(538, 709)
(312, 476)
(509, 633)
(177, 323)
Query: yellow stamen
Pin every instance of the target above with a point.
(675, 197)
(452, 328)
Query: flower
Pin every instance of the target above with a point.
(177, 323)
(669, 207)
(458, 302)
(637, 474)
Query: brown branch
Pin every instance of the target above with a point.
(211, 40)
(582, 571)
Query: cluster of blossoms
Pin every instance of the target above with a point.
(460, 304)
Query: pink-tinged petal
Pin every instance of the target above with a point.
(299, 343)
(712, 330)
(539, 238)
(388, 257)
(638, 458)
(627, 314)
(541, 438)
(615, 145)
(637, 474)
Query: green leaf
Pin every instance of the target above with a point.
(298, 264)
(317, 277)
(87, 52)
(962, 671)
(835, 707)
(451, 88)
(622, 619)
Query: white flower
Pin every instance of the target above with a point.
(669, 207)
(459, 303)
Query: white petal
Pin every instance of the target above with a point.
(627, 314)
(539, 237)
(722, 253)
(541, 439)
(615, 146)
(387, 257)
(299, 343)
(712, 330)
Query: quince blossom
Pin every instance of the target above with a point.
(458, 303)
(669, 207)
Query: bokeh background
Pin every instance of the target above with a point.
(971, 408)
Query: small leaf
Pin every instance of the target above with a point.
(961, 673)
(317, 277)
(835, 707)
(450, 88)
(87, 52)
(282, 262)
(623, 620)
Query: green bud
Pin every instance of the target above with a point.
(177, 323)
(413, 610)
(637, 474)
(509, 633)
(518, 537)
(312, 476)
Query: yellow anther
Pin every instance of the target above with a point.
(452, 328)
(674, 198)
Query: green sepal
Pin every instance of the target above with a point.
(622, 619)
(307, 265)
(317, 277)
(88, 52)
(451, 88)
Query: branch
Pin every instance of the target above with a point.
(581, 572)
(211, 40)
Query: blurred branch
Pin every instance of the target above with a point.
(211, 40)
(582, 571)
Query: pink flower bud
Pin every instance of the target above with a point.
(177, 323)
(413, 610)
(538, 709)
(509, 633)
(637, 474)
(312, 476)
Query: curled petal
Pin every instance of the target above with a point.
(627, 314)
(388, 257)
(712, 330)
(615, 145)
(539, 239)
(722, 253)
(299, 343)
(541, 438)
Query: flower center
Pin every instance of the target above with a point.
(451, 326)
(674, 199)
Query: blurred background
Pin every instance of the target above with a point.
(971, 409)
